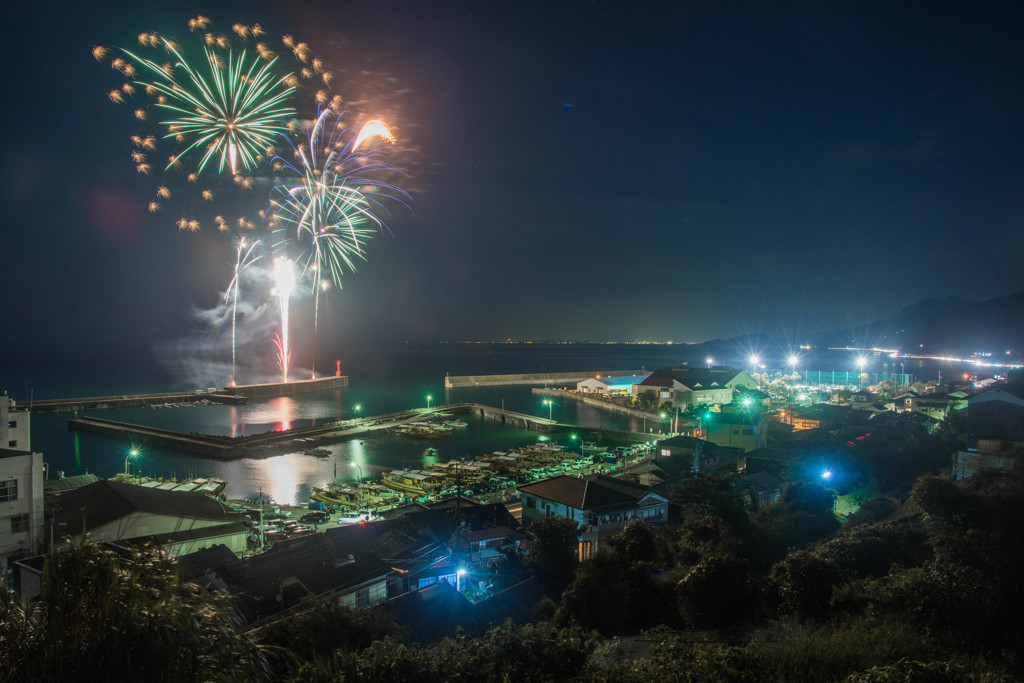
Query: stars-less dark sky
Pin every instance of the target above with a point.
(671, 171)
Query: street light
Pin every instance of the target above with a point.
(550, 404)
(662, 415)
(357, 408)
(429, 399)
(458, 579)
(133, 453)
(710, 361)
(793, 360)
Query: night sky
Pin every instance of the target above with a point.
(601, 171)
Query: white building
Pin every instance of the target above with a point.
(686, 385)
(180, 523)
(21, 504)
(609, 385)
(14, 426)
(602, 506)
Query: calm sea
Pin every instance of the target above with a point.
(381, 380)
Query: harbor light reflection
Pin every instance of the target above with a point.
(280, 472)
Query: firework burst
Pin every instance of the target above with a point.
(334, 205)
(244, 258)
(336, 202)
(215, 110)
(284, 280)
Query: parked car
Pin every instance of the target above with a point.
(315, 517)
(356, 517)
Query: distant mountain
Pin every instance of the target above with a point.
(954, 325)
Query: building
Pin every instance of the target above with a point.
(995, 431)
(601, 505)
(702, 456)
(744, 430)
(610, 385)
(14, 425)
(179, 522)
(934, 405)
(687, 385)
(21, 505)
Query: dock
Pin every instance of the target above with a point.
(297, 439)
(234, 395)
(564, 378)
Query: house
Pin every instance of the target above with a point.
(334, 565)
(775, 461)
(995, 431)
(609, 385)
(702, 456)
(179, 522)
(21, 505)
(460, 535)
(601, 505)
(737, 429)
(935, 405)
(687, 385)
(760, 488)
(440, 611)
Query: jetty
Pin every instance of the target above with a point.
(233, 395)
(455, 382)
(297, 439)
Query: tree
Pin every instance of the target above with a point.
(123, 614)
(647, 400)
(717, 591)
(624, 588)
(554, 554)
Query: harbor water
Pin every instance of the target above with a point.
(381, 380)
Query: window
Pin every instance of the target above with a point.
(12, 444)
(531, 502)
(19, 524)
(8, 490)
(12, 424)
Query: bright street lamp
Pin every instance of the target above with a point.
(550, 404)
(429, 399)
(662, 415)
(133, 453)
(710, 360)
(793, 360)
(458, 579)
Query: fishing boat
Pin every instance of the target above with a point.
(343, 496)
(415, 483)
(422, 430)
(318, 452)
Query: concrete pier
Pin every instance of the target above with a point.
(298, 439)
(75, 405)
(289, 388)
(563, 378)
(232, 395)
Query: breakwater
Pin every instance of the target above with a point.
(297, 439)
(289, 388)
(75, 405)
(453, 382)
(231, 395)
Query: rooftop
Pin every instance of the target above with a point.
(591, 492)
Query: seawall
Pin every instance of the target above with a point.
(532, 378)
